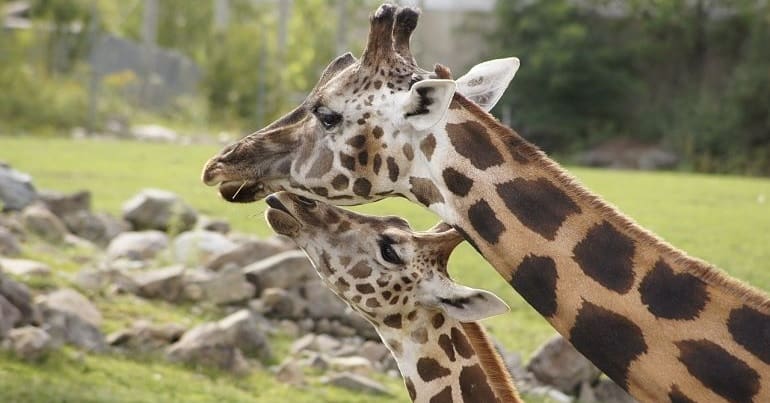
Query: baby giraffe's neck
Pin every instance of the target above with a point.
(443, 360)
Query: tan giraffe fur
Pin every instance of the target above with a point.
(663, 325)
(397, 279)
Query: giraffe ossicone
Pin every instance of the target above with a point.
(397, 279)
(663, 325)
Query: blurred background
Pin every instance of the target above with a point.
(667, 83)
(124, 279)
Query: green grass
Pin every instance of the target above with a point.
(722, 219)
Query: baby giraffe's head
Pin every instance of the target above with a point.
(394, 276)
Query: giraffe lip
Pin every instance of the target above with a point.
(243, 191)
(280, 219)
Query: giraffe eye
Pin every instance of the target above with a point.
(388, 253)
(327, 117)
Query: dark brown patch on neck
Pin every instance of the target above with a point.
(719, 370)
(471, 140)
(538, 204)
(430, 369)
(474, 386)
(605, 255)
(673, 296)
(535, 279)
(751, 329)
(445, 396)
(457, 182)
(677, 396)
(428, 145)
(485, 222)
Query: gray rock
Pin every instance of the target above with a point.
(558, 364)
(375, 352)
(322, 302)
(98, 279)
(9, 245)
(141, 245)
(227, 287)
(63, 205)
(154, 133)
(144, 336)
(30, 343)
(290, 372)
(69, 317)
(279, 303)
(247, 253)
(16, 189)
(166, 283)
(40, 221)
(607, 391)
(284, 270)
(357, 383)
(20, 297)
(361, 326)
(73, 302)
(213, 224)
(222, 344)
(355, 364)
(199, 246)
(549, 394)
(159, 210)
(9, 316)
(99, 228)
(25, 268)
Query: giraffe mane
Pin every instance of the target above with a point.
(499, 377)
(710, 274)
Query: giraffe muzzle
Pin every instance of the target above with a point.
(280, 219)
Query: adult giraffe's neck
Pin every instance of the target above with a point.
(659, 323)
(443, 360)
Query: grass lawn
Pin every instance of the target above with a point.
(722, 219)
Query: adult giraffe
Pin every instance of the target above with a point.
(663, 325)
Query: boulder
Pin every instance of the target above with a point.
(9, 316)
(247, 253)
(69, 317)
(144, 336)
(141, 245)
(16, 189)
(222, 344)
(375, 352)
(607, 391)
(40, 221)
(284, 270)
(166, 283)
(73, 302)
(355, 364)
(159, 210)
(361, 326)
(213, 224)
(279, 303)
(227, 287)
(25, 268)
(99, 228)
(357, 383)
(29, 343)
(9, 245)
(290, 372)
(558, 364)
(198, 246)
(63, 205)
(154, 133)
(322, 303)
(18, 295)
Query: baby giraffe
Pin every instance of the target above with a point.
(397, 279)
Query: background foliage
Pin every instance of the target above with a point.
(694, 75)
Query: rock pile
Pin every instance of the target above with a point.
(162, 250)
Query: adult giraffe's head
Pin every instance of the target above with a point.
(353, 139)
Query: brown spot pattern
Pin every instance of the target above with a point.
(392, 169)
(474, 386)
(538, 204)
(438, 320)
(410, 388)
(362, 187)
(429, 369)
(711, 365)
(535, 279)
(364, 288)
(485, 222)
(471, 140)
(461, 343)
(393, 320)
(347, 161)
(408, 152)
(425, 191)
(673, 296)
(605, 255)
(361, 270)
(456, 182)
(376, 164)
(445, 396)
(446, 344)
(428, 145)
(340, 182)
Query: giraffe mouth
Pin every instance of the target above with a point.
(243, 191)
(280, 218)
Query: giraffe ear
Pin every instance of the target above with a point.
(428, 102)
(486, 82)
(463, 303)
